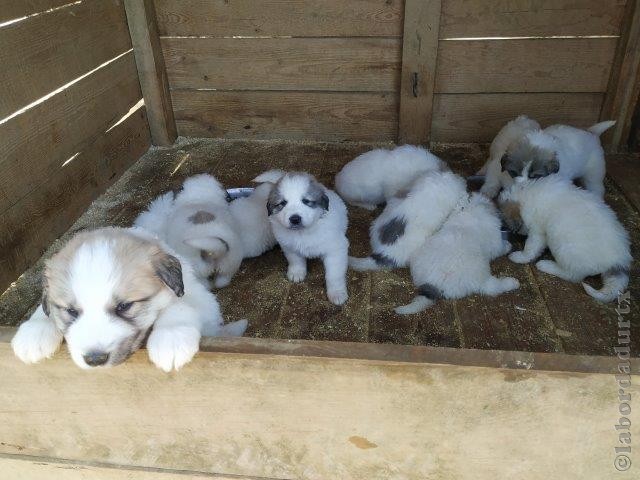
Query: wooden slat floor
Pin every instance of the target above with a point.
(545, 315)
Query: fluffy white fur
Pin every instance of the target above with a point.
(455, 261)
(177, 316)
(495, 178)
(320, 231)
(374, 177)
(581, 231)
(405, 223)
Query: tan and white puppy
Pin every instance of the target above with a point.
(581, 231)
(456, 260)
(107, 290)
(407, 221)
(309, 221)
(374, 177)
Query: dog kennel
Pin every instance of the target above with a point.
(106, 103)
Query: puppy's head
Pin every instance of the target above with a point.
(527, 160)
(297, 201)
(105, 289)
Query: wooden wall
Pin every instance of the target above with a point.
(68, 145)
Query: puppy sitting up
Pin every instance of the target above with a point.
(107, 290)
(407, 221)
(581, 231)
(309, 221)
(455, 261)
(374, 177)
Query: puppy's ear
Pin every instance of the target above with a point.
(168, 269)
(270, 207)
(45, 296)
(324, 201)
(553, 165)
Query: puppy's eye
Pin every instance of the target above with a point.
(123, 307)
(73, 313)
(309, 203)
(513, 173)
(281, 204)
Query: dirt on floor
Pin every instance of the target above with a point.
(545, 314)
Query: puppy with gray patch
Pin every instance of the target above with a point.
(107, 290)
(406, 222)
(581, 231)
(309, 221)
(456, 260)
(374, 177)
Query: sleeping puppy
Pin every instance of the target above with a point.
(309, 221)
(581, 231)
(456, 261)
(512, 132)
(569, 152)
(407, 221)
(374, 177)
(107, 290)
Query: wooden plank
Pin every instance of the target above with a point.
(537, 18)
(39, 140)
(538, 65)
(288, 115)
(12, 9)
(298, 18)
(419, 57)
(141, 17)
(624, 85)
(32, 224)
(479, 117)
(337, 64)
(307, 418)
(624, 170)
(45, 52)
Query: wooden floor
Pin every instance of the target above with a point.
(544, 315)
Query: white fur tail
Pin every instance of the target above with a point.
(234, 329)
(270, 176)
(417, 305)
(363, 264)
(599, 128)
(614, 282)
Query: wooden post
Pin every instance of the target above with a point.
(141, 17)
(419, 56)
(624, 84)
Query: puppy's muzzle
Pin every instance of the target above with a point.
(95, 358)
(295, 221)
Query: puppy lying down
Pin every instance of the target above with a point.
(455, 261)
(374, 177)
(581, 231)
(107, 290)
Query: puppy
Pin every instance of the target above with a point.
(309, 221)
(107, 290)
(581, 231)
(252, 221)
(374, 177)
(495, 178)
(406, 222)
(455, 261)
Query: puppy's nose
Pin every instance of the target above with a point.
(95, 359)
(295, 219)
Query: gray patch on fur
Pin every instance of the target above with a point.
(169, 270)
(543, 162)
(430, 291)
(383, 260)
(392, 230)
(274, 202)
(315, 193)
(617, 270)
(201, 217)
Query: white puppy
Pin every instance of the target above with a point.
(374, 177)
(456, 261)
(581, 231)
(309, 221)
(250, 215)
(406, 222)
(513, 131)
(107, 289)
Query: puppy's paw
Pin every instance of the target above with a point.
(547, 266)
(221, 281)
(510, 283)
(519, 257)
(296, 274)
(337, 296)
(36, 339)
(173, 347)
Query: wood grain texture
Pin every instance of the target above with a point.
(141, 17)
(538, 18)
(419, 57)
(12, 9)
(32, 224)
(308, 418)
(291, 115)
(299, 18)
(45, 52)
(479, 117)
(539, 65)
(337, 64)
(38, 141)
(625, 173)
